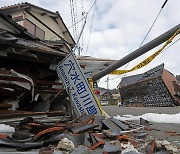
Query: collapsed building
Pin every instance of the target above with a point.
(156, 87)
(29, 52)
(38, 40)
(29, 82)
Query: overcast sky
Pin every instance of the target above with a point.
(118, 28)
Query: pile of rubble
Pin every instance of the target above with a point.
(86, 134)
(27, 69)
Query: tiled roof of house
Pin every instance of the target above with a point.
(26, 5)
(153, 73)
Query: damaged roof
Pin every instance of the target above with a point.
(24, 5)
(11, 24)
(31, 7)
(16, 37)
(153, 73)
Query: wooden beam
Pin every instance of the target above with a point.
(41, 82)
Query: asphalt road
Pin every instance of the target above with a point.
(162, 131)
(115, 110)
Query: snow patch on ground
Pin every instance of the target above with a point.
(153, 117)
(6, 129)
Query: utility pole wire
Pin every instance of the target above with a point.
(76, 22)
(172, 43)
(72, 19)
(153, 22)
(150, 28)
(164, 50)
(90, 31)
(84, 16)
(82, 37)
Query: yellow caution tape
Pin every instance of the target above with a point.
(90, 81)
(147, 60)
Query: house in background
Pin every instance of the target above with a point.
(107, 95)
(117, 98)
(42, 23)
(156, 87)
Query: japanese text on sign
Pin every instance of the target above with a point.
(74, 79)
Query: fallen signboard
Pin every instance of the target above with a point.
(73, 78)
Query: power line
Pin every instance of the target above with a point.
(153, 22)
(77, 28)
(76, 16)
(82, 13)
(172, 44)
(77, 22)
(91, 6)
(150, 28)
(164, 50)
(90, 30)
(85, 14)
(84, 19)
(72, 19)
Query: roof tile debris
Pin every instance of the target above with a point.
(34, 86)
(33, 134)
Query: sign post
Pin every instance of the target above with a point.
(74, 79)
